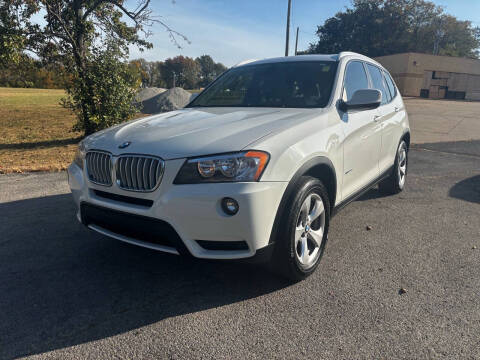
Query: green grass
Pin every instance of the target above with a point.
(35, 131)
(29, 97)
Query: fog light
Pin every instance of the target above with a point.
(229, 206)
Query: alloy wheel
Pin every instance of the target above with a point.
(402, 164)
(309, 230)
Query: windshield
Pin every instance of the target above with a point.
(300, 84)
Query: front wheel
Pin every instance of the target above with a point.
(396, 181)
(304, 230)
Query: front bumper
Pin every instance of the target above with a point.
(193, 211)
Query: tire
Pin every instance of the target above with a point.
(396, 181)
(298, 252)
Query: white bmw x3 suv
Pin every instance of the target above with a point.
(256, 164)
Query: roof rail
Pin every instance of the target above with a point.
(245, 62)
(348, 53)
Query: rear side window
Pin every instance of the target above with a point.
(378, 83)
(390, 84)
(355, 79)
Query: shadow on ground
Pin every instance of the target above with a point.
(61, 284)
(36, 144)
(371, 194)
(471, 148)
(468, 189)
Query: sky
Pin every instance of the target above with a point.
(235, 30)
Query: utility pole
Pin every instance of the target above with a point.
(288, 27)
(296, 42)
(439, 34)
(174, 76)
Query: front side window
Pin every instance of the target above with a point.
(299, 84)
(378, 83)
(355, 79)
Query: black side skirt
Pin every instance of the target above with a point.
(362, 191)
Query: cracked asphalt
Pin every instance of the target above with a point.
(66, 292)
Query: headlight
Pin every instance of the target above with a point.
(243, 166)
(80, 155)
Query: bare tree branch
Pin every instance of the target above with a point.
(172, 33)
(141, 16)
(137, 15)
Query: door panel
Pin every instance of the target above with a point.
(393, 115)
(363, 135)
(361, 149)
(391, 132)
(387, 115)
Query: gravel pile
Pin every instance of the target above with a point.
(148, 93)
(172, 99)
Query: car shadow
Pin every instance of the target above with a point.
(371, 194)
(62, 284)
(467, 189)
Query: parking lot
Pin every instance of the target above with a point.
(66, 292)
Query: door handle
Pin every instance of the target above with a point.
(397, 109)
(376, 118)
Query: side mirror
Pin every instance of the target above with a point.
(364, 99)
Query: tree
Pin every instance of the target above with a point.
(185, 70)
(114, 84)
(150, 72)
(187, 74)
(12, 40)
(384, 27)
(157, 78)
(77, 33)
(219, 69)
(457, 38)
(139, 68)
(26, 71)
(209, 70)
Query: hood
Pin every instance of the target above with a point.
(197, 131)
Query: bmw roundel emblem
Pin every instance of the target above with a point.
(124, 145)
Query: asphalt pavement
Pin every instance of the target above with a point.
(433, 121)
(66, 292)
